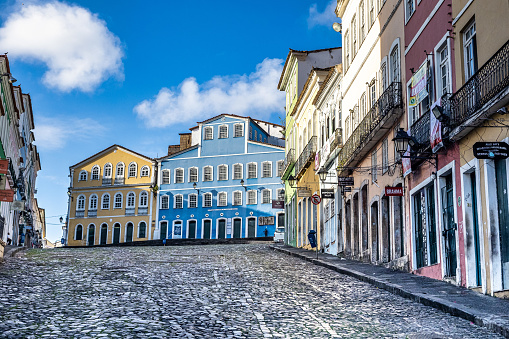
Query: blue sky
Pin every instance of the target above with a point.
(137, 73)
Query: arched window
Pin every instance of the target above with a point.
(222, 172)
(237, 198)
(81, 203)
(266, 196)
(251, 170)
(207, 173)
(78, 235)
(133, 169)
(193, 200)
(179, 175)
(266, 169)
(82, 176)
(145, 171)
(105, 204)
(223, 132)
(193, 174)
(251, 197)
(179, 201)
(118, 200)
(165, 202)
(207, 134)
(120, 170)
(238, 130)
(95, 172)
(107, 171)
(142, 230)
(93, 202)
(166, 177)
(131, 197)
(207, 200)
(222, 199)
(143, 199)
(237, 171)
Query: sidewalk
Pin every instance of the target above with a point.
(10, 251)
(483, 310)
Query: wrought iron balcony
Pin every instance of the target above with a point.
(420, 130)
(288, 163)
(483, 86)
(337, 140)
(80, 214)
(130, 211)
(142, 210)
(306, 157)
(119, 181)
(92, 213)
(106, 181)
(384, 113)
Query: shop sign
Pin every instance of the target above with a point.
(345, 181)
(347, 189)
(7, 195)
(491, 150)
(4, 166)
(393, 191)
(327, 193)
(305, 193)
(262, 221)
(418, 90)
(278, 204)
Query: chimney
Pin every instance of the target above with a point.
(185, 140)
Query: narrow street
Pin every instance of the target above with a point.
(224, 291)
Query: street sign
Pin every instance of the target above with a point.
(347, 189)
(327, 193)
(393, 191)
(491, 150)
(315, 199)
(345, 181)
(278, 204)
(304, 193)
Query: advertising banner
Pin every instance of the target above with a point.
(406, 163)
(435, 130)
(418, 86)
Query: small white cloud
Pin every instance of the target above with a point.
(325, 18)
(76, 46)
(255, 94)
(55, 133)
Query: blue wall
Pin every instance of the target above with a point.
(215, 152)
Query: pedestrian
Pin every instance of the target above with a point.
(266, 232)
(9, 240)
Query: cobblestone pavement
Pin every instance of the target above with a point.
(222, 291)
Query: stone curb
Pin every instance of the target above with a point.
(12, 252)
(489, 321)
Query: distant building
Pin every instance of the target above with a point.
(111, 198)
(223, 185)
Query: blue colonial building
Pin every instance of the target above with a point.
(223, 185)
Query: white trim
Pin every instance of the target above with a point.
(219, 198)
(102, 201)
(219, 171)
(127, 200)
(279, 148)
(423, 26)
(175, 201)
(203, 228)
(195, 230)
(86, 176)
(462, 12)
(175, 175)
(442, 42)
(129, 170)
(181, 229)
(88, 230)
(189, 200)
(146, 230)
(75, 233)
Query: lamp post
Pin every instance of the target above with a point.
(194, 186)
(242, 184)
(403, 140)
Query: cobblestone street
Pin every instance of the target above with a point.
(223, 291)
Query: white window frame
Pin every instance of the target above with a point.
(108, 170)
(193, 177)
(238, 172)
(93, 175)
(235, 130)
(179, 175)
(104, 196)
(248, 176)
(467, 42)
(205, 202)
(82, 200)
(83, 176)
(280, 168)
(145, 171)
(225, 168)
(407, 4)
(393, 77)
(223, 132)
(266, 199)
(353, 26)
(130, 200)
(208, 133)
(119, 166)
(205, 168)
(165, 177)
(143, 196)
(237, 202)
(165, 202)
(252, 197)
(267, 172)
(374, 169)
(222, 199)
(443, 44)
(190, 200)
(118, 194)
(385, 155)
(132, 170)
(178, 201)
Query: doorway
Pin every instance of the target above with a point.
(104, 234)
(129, 232)
(163, 230)
(91, 235)
(191, 233)
(116, 233)
(207, 224)
(449, 232)
(222, 229)
(237, 228)
(375, 255)
(251, 227)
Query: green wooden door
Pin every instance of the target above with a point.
(236, 228)
(104, 234)
(503, 218)
(251, 228)
(449, 232)
(477, 244)
(129, 233)
(206, 229)
(116, 234)
(222, 229)
(191, 234)
(163, 232)
(91, 235)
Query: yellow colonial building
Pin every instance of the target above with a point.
(111, 198)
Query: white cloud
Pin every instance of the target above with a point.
(325, 18)
(76, 46)
(255, 94)
(55, 133)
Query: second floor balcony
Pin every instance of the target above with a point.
(80, 214)
(106, 181)
(142, 210)
(381, 117)
(336, 140)
(92, 213)
(119, 180)
(306, 157)
(130, 211)
(288, 163)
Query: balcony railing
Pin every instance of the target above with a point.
(142, 210)
(483, 86)
(106, 181)
(130, 211)
(420, 130)
(92, 213)
(306, 157)
(289, 162)
(337, 140)
(361, 137)
(80, 214)
(119, 181)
